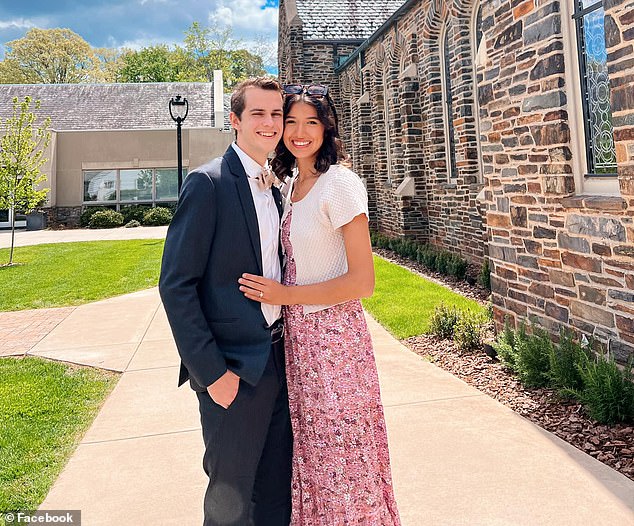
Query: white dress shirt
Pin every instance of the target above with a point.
(269, 227)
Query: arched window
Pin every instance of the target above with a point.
(478, 51)
(386, 120)
(595, 88)
(450, 133)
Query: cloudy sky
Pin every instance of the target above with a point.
(138, 23)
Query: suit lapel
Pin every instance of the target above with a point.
(246, 201)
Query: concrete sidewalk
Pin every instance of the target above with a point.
(458, 456)
(38, 237)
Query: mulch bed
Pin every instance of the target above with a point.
(613, 445)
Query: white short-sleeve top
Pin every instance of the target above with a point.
(336, 198)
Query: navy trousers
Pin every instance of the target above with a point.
(248, 451)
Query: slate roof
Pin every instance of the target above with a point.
(344, 19)
(113, 106)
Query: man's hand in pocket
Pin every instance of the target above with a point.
(225, 389)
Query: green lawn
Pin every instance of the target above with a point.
(45, 407)
(403, 302)
(64, 274)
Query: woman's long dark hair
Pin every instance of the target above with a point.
(331, 151)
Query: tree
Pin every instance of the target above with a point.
(209, 49)
(21, 156)
(150, 64)
(12, 73)
(50, 56)
(261, 47)
(110, 63)
(245, 64)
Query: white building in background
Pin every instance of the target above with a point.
(115, 144)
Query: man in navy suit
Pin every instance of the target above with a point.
(231, 348)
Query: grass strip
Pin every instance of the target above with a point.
(403, 302)
(45, 408)
(65, 274)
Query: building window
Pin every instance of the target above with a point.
(477, 29)
(386, 120)
(100, 186)
(450, 132)
(167, 184)
(135, 185)
(478, 59)
(595, 88)
(145, 185)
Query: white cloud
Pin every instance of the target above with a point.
(17, 23)
(139, 43)
(253, 23)
(247, 15)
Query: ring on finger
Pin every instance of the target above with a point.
(261, 294)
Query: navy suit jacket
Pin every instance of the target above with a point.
(212, 240)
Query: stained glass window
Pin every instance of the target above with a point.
(448, 96)
(600, 152)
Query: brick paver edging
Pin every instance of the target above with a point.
(20, 331)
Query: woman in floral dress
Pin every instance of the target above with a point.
(341, 465)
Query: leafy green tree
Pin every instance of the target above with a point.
(12, 73)
(150, 64)
(209, 49)
(21, 155)
(244, 64)
(110, 63)
(50, 56)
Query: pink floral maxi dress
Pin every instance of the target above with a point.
(341, 465)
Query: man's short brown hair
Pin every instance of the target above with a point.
(238, 95)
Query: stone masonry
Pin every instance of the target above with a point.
(561, 250)
(561, 257)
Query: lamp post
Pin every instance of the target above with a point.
(179, 108)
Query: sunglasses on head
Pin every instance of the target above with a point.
(314, 90)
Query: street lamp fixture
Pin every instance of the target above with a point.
(179, 108)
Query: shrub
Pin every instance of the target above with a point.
(408, 248)
(505, 345)
(443, 321)
(134, 212)
(105, 219)
(382, 241)
(132, 224)
(532, 352)
(468, 331)
(608, 392)
(379, 240)
(395, 244)
(88, 212)
(157, 217)
(427, 257)
(489, 311)
(441, 263)
(484, 278)
(170, 205)
(457, 266)
(565, 361)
